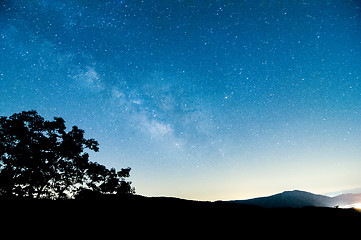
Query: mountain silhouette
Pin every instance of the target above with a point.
(298, 199)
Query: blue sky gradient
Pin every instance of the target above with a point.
(203, 99)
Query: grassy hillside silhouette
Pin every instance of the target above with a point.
(162, 213)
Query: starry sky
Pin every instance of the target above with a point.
(202, 99)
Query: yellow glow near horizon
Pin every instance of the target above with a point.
(357, 206)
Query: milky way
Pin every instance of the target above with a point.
(203, 99)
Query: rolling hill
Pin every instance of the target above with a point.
(298, 199)
(112, 215)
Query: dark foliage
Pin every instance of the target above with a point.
(40, 159)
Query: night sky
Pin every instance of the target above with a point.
(202, 99)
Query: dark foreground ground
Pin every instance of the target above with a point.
(137, 215)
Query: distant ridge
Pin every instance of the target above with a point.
(298, 199)
(347, 191)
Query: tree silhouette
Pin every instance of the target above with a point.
(39, 159)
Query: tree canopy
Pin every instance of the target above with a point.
(40, 159)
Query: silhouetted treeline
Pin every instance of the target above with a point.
(40, 159)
